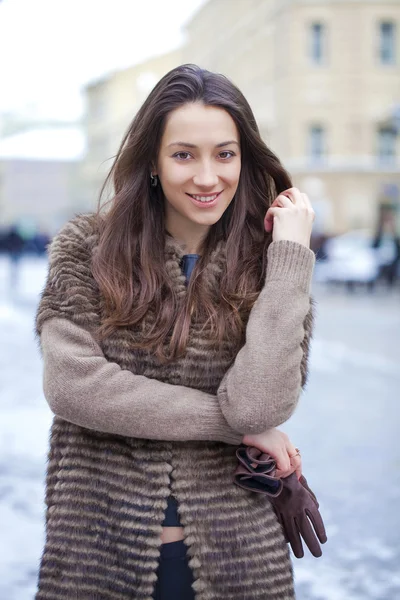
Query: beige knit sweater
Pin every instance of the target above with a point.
(260, 391)
(129, 431)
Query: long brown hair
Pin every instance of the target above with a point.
(129, 263)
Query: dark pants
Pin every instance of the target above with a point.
(174, 576)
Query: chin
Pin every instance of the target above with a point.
(207, 220)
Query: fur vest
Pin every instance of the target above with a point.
(106, 495)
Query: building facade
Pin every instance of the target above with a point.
(323, 78)
(40, 185)
(111, 105)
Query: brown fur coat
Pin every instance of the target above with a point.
(106, 494)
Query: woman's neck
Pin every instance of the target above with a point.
(191, 238)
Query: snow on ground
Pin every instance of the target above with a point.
(346, 426)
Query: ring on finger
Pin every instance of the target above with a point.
(297, 453)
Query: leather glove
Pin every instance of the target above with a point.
(297, 509)
(295, 504)
(255, 472)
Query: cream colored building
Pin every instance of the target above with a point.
(323, 78)
(111, 105)
(40, 186)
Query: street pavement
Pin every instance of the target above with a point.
(346, 425)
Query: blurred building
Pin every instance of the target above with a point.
(323, 78)
(40, 178)
(112, 103)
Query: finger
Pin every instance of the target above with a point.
(304, 483)
(268, 222)
(296, 463)
(283, 201)
(309, 536)
(318, 524)
(295, 195)
(273, 210)
(275, 203)
(283, 474)
(295, 458)
(279, 202)
(293, 534)
(269, 218)
(282, 461)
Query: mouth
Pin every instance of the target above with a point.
(205, 199)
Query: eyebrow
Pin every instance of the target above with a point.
(187, 145)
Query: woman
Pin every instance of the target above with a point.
(175, 326)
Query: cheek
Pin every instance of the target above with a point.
(174, 176)
(232, 174)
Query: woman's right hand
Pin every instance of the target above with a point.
(278, 445)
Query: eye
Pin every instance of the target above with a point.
(181, 155)
(227, 154)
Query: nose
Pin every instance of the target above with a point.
(206, 176)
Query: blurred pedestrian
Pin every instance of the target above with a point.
(14, 245)
(175, 326)
(40, 242)
(386, 228)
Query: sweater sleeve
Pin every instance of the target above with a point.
(84, 388)
(262, 387)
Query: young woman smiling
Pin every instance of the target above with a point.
(175, 325)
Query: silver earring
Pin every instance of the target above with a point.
(153, 180)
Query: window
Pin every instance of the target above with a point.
(316, 143)
(387, 43)
(317, 43)
(387, 145)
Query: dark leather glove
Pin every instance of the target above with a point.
(295, 504)
(255, 472)
(297, 509)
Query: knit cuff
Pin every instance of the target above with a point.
(219, 429)
(290, 261)
(233, 438)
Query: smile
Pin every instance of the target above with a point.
(205, 198)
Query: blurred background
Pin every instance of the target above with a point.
(323, 78)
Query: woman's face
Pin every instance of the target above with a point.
(198, 166)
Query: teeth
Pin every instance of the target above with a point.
(205, 198)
